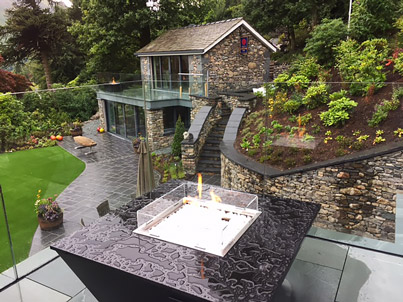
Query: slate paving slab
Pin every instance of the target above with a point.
(110, 174)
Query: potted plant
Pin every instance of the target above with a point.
(50, 214)
(76, 128)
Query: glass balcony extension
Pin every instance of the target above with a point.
(132, 87)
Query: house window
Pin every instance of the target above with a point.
(125, 120)
(166, 72)
(170, 116)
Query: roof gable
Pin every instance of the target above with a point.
(197, 39)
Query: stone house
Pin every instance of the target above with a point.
(197, 60)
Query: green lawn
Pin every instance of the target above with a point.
(22, 174)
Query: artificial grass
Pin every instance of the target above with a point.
(22, 174)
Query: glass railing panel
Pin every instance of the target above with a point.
(8, 271)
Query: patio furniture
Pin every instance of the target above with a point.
(103, 208)
(85, 142)
(119, 265)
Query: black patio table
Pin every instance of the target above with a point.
(118, 265)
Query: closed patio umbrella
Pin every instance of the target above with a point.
(145, 175)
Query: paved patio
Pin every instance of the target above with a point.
(110, 174)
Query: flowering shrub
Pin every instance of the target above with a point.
(47, 208)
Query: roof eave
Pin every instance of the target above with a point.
(250, 28)
(170, 53)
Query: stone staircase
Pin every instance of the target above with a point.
(210, 162)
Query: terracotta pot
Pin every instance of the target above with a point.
(76, 132)
(50, 225)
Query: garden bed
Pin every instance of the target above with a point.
(331, 141)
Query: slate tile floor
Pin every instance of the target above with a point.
(110, 174)
(322, 272)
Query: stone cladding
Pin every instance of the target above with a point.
(231, 70)
(155, 130)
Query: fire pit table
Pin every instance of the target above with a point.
(179, 246)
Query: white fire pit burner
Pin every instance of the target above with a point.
(198, 222)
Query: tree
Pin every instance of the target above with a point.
(372, 18)
(271, 15)
(32, 32)
(11, 82)
(324, 38)
(178, 137)
(111, 31)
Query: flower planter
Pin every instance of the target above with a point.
(47, 225)
(76, 132)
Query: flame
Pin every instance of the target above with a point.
(215, 197)
(113, 81)
(199, 184)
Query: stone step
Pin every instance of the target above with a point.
(210, 156)
(211, 148)
(213, 135)
(209, 170)
(213, 141)
(209, 163)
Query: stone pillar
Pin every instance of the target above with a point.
(157, 139)
(102, 113)
(155, 127)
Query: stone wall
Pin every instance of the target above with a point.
(235, 100)
(199, 102)
(231, 70)
(357, 193)
(155, 130)
(102, 113)
(277, 68)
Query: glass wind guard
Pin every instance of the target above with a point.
(211, 219)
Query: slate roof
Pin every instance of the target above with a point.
(192, 39)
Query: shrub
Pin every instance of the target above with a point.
(291, 106)
(382, 111)
(324, 38)
(372, 18)
(399, 63)
(315, 96)
(304, 119)
(281, 81)
(362, 64)
(307, 159)
(14, 122)
(338, 112)
(306, 66)
(298, 82)
(178, 137)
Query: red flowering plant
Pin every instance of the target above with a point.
(47, 208)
